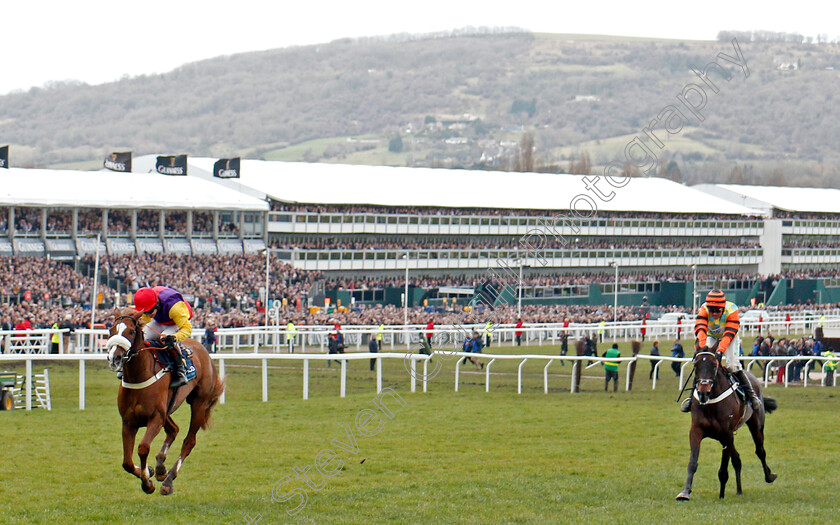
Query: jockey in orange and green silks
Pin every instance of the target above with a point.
(718, 320)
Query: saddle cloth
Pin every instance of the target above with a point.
(164, 357)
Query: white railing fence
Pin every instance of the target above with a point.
(275, 339)
(410, 361)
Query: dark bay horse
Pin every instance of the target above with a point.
(145, 399)
(717, 412)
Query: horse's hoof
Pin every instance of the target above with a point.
(148, 489)
(683, 496)
(165, 491)
(160, 473)
(771, 478)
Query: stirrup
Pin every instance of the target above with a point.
(178, 380)
(686, 405)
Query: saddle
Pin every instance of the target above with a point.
(164, 357)
(739, 390)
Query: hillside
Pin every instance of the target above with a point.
(460, 101)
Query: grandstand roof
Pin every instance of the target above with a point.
(809, 200)
(394, 186)
(109, 189)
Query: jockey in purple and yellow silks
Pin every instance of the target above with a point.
(167, 319)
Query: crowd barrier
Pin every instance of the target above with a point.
(410, 361)
(308, 339)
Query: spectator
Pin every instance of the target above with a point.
(55, 338)
(829, 367)
(334, 347)
(430, 326)
(678, 352)
(373, 348)
(654, 351)
(67, 324)
(210, 337)
(611, 367)
(291, 334)
(473, 345)
(518, 332)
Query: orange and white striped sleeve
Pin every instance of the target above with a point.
(701, 326)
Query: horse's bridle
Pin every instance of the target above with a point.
(129, 352)
(711, 381)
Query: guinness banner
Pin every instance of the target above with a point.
(4, 157)
(119, 161)
(172, 165)
(226, 168)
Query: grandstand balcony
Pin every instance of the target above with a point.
(445, 259)
(288, 222)
(810, 227)
(810, 255)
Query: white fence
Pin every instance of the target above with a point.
(410, 360)
(274, 339)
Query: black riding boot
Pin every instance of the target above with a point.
(748, 389)
(179, 375)
(686, 404)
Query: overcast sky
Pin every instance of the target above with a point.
(100, 41)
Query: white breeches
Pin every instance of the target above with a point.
(733, 360)
(153, 331)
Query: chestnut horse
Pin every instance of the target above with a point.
(717, 412)
(145, 399)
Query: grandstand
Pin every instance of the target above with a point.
(348, 233)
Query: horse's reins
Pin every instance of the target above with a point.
(130, 353)
(726, 393)
(717, 364)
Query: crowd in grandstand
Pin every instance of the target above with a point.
(355, 209)
(60, 221)
(511, 242)
(225, 290)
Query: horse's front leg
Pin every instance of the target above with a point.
(171, 430)
(736, 464)
(695, 435)
(723, 472)
(129, 433)
(152, 430)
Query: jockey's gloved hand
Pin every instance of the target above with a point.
(168, 340)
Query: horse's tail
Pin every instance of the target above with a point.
(218, 390)
(770, 404)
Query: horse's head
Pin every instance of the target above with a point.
(126, 337)
(706, 367)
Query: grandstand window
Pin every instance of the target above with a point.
(434, 220)
(335, 219)
(392, 219)
(445, 220)
(402, 219)
(313, 218)
(413, 219)
(323, 256)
